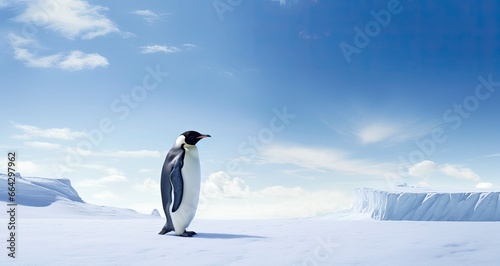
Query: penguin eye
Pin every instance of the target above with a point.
(191, 137)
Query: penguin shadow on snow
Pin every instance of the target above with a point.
(225, 236)
(220, 236)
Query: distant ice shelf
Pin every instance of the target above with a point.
(421, 205)
(56, 198)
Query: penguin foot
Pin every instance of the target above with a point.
(188, 233)
(164, 231)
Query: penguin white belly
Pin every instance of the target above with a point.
(191, 178)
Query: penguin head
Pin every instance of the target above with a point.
(192, 137)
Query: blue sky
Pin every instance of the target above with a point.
(305, 100)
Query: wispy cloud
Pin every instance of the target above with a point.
(386, 129)
(155, 48)
(70, 18)
(148, 186)
(72, 61)
(105, 195)
(426, 168)
(103, 181)
(423, 169)
(77, 60)
(148, 15)
(459, 172)
(144, 170)
(376, 133)
(42, 145)
(111, 171)
(131, 154)
(281, 2)
(30, 132)
(189, 45)
(484, 185)
(28, 168)
(289, 3)
(326, 159)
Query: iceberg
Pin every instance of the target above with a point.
(421, 205)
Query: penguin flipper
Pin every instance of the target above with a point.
(177, 183)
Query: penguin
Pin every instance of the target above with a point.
(180, 184)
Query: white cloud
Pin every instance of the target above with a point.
(233, 199)
(227, 73)
(326, 159)
(484, 185)
(112, 179)
(145, 12)
(423, 169)
(42, 145)
(70, 18)
(148, 186)
(280, 191)
(127, 35)
(388, 130)
(459, 172)
(426, 168)
(30, 132)
(310, 204)
(281, 2)
(154, 48)
(376, 133)
(189, 45)
(103, 181)
(77, 60)
(105, 195)
(219, 185)
(148, 15)
(144, 171)
(72, 61)
(423, 184)
(28, 168)
(133, 154)
(21, 53)
(107, 169)
(18, 41)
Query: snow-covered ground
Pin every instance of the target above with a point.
(71, 232)
(317, 241)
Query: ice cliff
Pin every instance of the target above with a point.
(39, 192)
(420, 205)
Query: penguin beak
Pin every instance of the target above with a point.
(204, 136)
